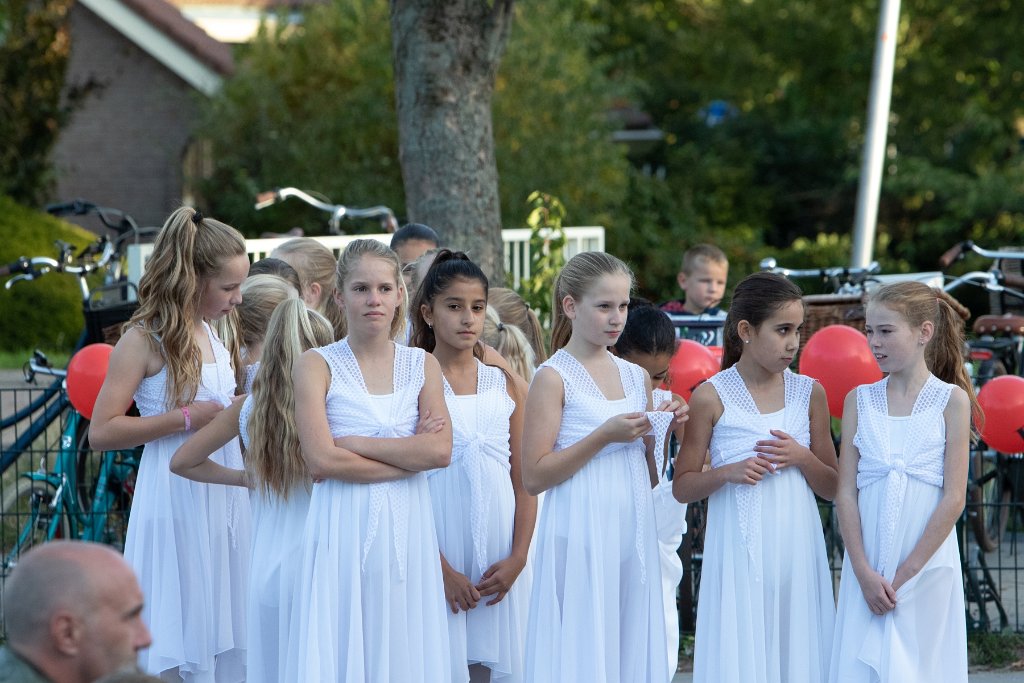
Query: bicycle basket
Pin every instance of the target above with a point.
(103, 323)
(822, 310)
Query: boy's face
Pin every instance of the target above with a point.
(705, 286)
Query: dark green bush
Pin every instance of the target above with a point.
(46, 312)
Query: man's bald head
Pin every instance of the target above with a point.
(77, 606)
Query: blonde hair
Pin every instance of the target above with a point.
(188, 250)
(247, 325)
(508, 340)
(698, 255)
(918, 303)
(349, 259)
(513, 309)
(273, 457)
(315, 263)
(577, 277)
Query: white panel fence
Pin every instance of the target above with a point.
(516, 242)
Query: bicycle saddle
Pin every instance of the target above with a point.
(996, 324)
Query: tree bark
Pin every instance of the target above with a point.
(446, 54)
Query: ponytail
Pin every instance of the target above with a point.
(188, 250)
(274, 458)
(509, 341)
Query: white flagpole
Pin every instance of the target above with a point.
(873, 162)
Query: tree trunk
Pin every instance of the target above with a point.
(446, 54)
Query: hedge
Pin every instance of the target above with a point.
(47, 312)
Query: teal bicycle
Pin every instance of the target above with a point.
(67, 490)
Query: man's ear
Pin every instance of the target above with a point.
(66, 632)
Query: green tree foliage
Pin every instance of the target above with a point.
(34, 46)
(551, 123)
(779, 170)
(45, 313)
(312, 106)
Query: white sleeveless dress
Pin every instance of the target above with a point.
(765, 611)
(188, 543)
(371, 606)
(670, 515)
(474, 510)
(276, 561)
(899, 481)
(596, 612)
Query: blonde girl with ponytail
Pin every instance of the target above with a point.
(187, 542)
(595, 611)
(902, 487)
(275, 470)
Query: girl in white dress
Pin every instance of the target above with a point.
(187, 542)
(596, 609)
(275, 469)
(902, 484)
(649, 340)
(484, 516)
(765, 610)
(371, 606)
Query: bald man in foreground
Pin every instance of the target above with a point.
(73, 612)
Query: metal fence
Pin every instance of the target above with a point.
(52, 484)
(993, 567)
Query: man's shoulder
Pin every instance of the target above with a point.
(14, 669)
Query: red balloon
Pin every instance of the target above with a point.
(717, 352)
(1002, 401)
(86, 372)
(690, 366)
(838, 357)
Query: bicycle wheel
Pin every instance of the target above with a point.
(105, 512)
(27, 519)
(991, 497)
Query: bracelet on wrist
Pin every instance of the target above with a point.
(188, 418)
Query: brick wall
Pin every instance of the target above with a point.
(125, 143)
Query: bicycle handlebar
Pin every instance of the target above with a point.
(123, 224)
(956, 252)
(337, 211)
(37, 266)
(840, 272)
(991, 280)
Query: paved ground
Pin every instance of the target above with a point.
(985, 677)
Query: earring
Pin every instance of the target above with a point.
(429, 326)
(746, 341)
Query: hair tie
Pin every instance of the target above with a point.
(501, 327)
(197, 217)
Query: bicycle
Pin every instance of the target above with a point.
(997, 347)
(85, 496)
(338, 211)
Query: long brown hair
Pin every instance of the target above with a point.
(754, 299)
(577, 277)
(944, 354)
(273, 456)
(188, 250)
